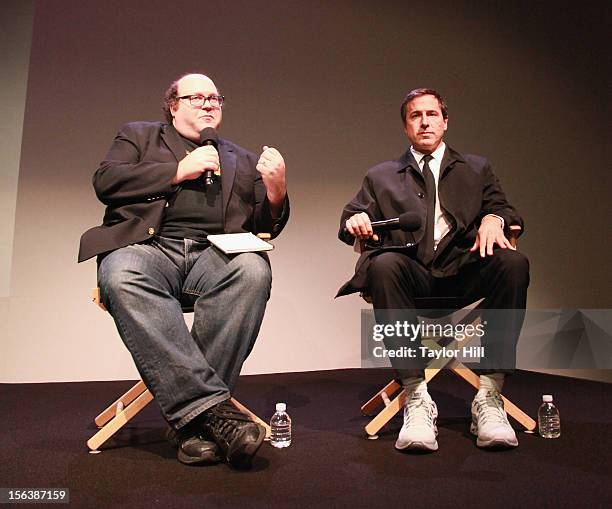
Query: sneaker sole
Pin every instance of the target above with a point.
(418, 446)
(496, 442)
(242, 456)
(192, 460)
(501, 443)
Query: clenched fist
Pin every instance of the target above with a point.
(271, 166)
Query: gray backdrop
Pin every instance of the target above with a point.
(526, 83)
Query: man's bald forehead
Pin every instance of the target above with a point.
(190, 80)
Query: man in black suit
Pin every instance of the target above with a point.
(460, 249)
(154, 259)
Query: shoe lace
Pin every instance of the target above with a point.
(225, 428)
(419, 411)
(490, 408)
(229, 422)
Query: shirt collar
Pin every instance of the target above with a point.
(437, 154)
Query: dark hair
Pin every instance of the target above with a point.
(418, 92)
(170, 99)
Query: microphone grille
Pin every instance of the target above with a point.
(410, 221)
(209, 134)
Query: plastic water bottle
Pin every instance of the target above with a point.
(549, 424)
(281, 427)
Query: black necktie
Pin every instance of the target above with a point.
(425, 251)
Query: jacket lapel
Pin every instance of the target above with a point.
(227, 159)
(173, 140)
(449, 159)
(408, 164)
(408, 168)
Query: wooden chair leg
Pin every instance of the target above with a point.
(391, 407)
(518, 415)
(394, 406)
(467, 374)
(382, 397)
(117, 422)
(124, 408)
(120, 403)
(513, 411)
(253, 416)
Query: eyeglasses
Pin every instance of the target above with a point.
(198, 101)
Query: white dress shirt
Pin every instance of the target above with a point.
(441, 224)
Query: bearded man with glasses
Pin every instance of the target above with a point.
(154, 260)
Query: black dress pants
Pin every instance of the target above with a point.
(396, 282)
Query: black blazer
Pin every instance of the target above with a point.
(135, 183)
(468, 190)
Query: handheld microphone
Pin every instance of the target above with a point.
(208, 136)
(408, 222)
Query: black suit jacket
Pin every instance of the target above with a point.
(468, 190)
(135, 183)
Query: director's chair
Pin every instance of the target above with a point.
(129, 404)
(392, 406)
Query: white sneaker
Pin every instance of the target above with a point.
(419, 430)
(490, 422)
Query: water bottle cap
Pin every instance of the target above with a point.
(281, 407)
(547, 398)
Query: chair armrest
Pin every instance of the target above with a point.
(95, 297)
(514, 230)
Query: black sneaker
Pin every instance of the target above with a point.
(236, 434)
(194, 448)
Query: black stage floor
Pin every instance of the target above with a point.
(44, 427)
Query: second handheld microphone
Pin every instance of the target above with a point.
(208, 136)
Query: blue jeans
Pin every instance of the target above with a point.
(145, 288)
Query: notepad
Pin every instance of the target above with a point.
(231, 243)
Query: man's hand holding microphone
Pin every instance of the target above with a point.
(194, 164)
(360, 227)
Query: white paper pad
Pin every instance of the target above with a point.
(231, 243)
